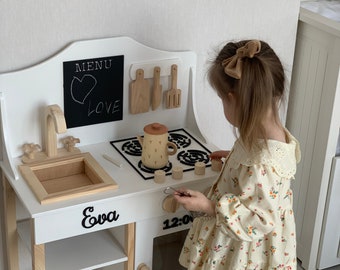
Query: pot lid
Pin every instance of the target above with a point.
(155, 129)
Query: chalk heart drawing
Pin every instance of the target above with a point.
(81, 88)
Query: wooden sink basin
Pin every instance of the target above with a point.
(66, 177)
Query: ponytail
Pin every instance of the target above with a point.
(258, 87)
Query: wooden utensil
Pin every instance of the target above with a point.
(157, 88)
(173, 96)
(139, 94)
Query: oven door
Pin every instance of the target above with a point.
(159, 240)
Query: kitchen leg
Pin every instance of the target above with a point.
(130, 246)
(38, 252)
(10, 223)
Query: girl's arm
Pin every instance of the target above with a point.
(254, 212)
(196, 201)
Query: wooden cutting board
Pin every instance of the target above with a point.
(139, 94)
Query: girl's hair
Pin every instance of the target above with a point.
(260, 88)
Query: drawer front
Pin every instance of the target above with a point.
(95, 216)
(105, 214)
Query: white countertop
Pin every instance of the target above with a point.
(129, 183)
(329, 8)
(324, 15)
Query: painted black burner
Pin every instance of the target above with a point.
(166, 168)
(190, 157)
(190, 150)
(181, 140)
(132, 147)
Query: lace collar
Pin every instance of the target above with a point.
(279, 155)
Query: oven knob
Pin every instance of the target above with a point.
(170, 204)
(143, 266)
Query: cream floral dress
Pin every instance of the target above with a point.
(254, 225)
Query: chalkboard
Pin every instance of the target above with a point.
(93, 90)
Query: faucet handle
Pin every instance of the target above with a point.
(30, 149)
(69, 143)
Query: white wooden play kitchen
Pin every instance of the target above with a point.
(72, 137)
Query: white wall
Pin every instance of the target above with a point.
(33, 30)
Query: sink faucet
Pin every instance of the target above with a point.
(54, 123)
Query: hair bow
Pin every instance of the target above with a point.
(233, 65)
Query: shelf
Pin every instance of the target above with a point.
(89, 251)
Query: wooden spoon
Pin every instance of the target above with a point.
(157, 88)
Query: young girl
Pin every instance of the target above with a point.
(248, 221)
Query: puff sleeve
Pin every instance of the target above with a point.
(253, 212)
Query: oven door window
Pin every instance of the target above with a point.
(166, 251)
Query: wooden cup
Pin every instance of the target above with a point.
(200, 168)
(216, 165)
(159, 176)
(177, 173)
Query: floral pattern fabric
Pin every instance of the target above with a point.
(254, 226)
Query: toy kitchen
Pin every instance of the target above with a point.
(74, 136)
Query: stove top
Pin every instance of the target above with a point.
(189, 151)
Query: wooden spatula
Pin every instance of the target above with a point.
(157, 88)
(139, 94)
(173, 96)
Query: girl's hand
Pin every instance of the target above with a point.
(219, 154)
(196, 201)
